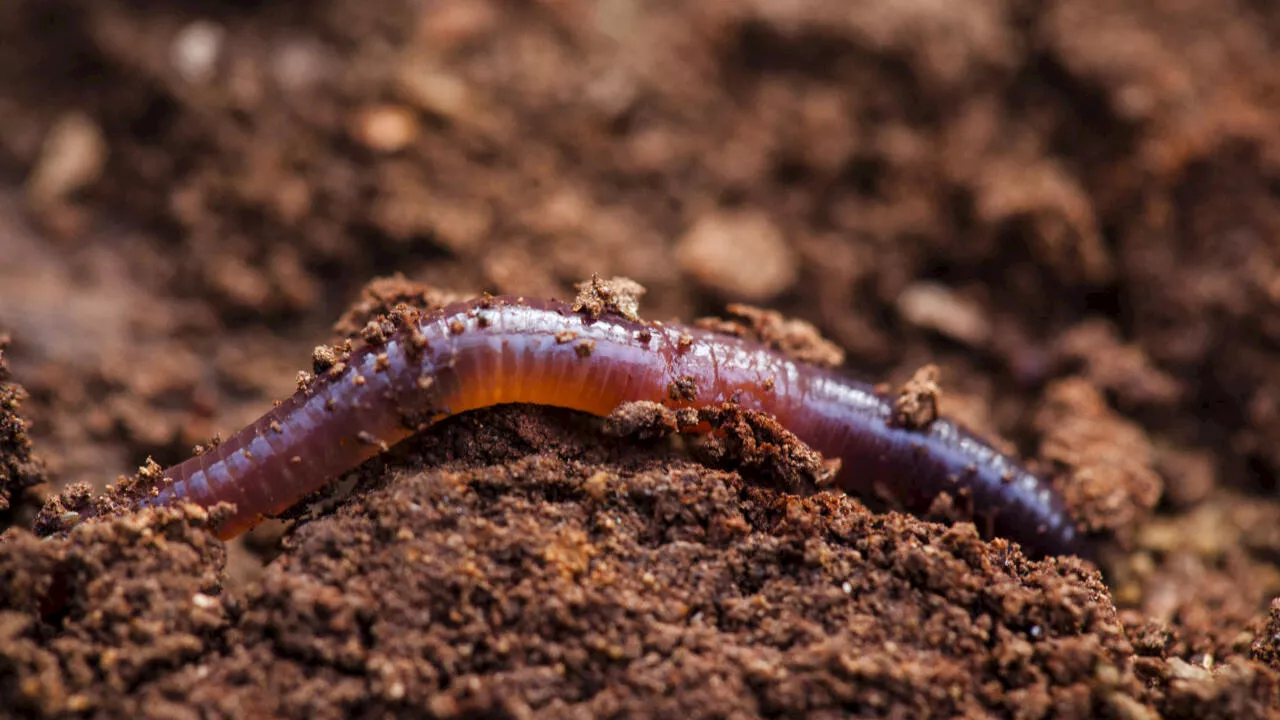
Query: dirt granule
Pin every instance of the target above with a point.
(617, 295)
(1112, 483)
(19, 470)
(917, 401)
(738, 254)
(794, 338)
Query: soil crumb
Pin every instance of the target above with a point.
(738, 254)
(731, 437)
(1124, 370)
(387, 298)
(793, 337)
(1111, 483)
(19, 469)
(916, 404)
(616, 295)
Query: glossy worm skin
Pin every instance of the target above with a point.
(502, 350)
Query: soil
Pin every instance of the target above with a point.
(1067, 209)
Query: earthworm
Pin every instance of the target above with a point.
(499, 350)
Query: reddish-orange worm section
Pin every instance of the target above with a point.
(503, 350)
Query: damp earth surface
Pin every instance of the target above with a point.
(1069, 208)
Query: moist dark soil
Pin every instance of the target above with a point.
(1065, 212)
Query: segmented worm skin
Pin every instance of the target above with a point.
(502, 350)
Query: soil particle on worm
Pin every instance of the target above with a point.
(793, 337)
(385, 298)
(916, 404)
(617, 295)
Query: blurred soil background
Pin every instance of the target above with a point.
(1072, 207)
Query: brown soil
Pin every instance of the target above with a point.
(1070, 208)
(19, 471)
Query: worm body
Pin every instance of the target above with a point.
(501, 350)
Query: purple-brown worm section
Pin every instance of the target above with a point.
(504, 350)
